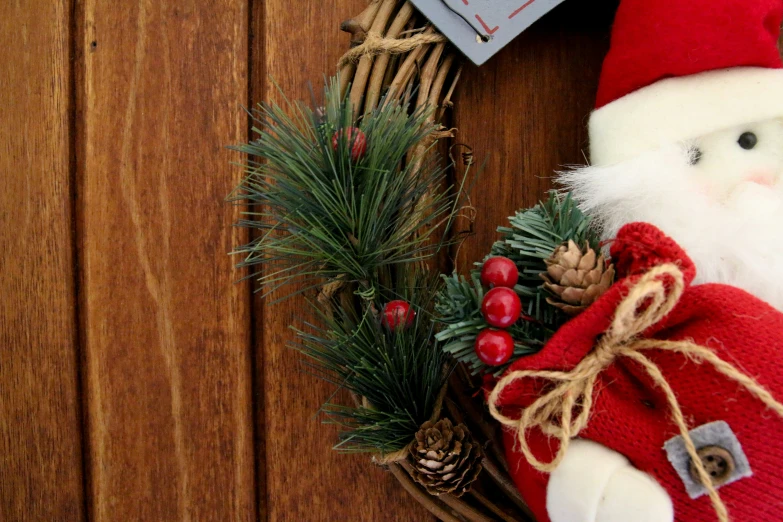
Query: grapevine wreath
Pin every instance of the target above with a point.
(616, 355)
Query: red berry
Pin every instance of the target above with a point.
(355, 138)
(398, 313)
(499, 271)
(494, 347)
(501, 307)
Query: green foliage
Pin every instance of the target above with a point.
(533, 235)
(459, 307)
(322, 215)
(399, 373)
(318, 215)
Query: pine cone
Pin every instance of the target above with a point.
(576, 277)
(445, 458)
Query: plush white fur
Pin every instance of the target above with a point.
(683, 108)
(726, 211)
(596, 484)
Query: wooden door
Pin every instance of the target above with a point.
(138, 381)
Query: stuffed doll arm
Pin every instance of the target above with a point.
(596, 484)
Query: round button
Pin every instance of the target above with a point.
(718, 462)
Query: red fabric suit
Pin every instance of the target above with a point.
(631, 416)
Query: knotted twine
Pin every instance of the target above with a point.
(647, 303)
(376, 43)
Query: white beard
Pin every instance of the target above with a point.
(738, 241)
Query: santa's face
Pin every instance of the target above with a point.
(724, 161)
(720, 197)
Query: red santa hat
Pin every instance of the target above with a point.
(680, 69)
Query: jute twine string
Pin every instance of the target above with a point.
(376, 43)
(647, 303)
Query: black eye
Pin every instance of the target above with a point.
(748, 140)
(695, 155)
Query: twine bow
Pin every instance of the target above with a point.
(647, 303)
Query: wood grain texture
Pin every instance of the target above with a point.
(186, 417)
(305, 479)
(166, 333)
(525, 112)
(40, 428)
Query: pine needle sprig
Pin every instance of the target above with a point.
(533, 235)
(397, 373)
(458, 306)
(322, 214)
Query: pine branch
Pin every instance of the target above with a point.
(398, 373)
(459, 306)
(322, 215)
(531, 238)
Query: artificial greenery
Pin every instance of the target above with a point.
(361, 226)
(397, 373)
(321, 215)
(531, 238)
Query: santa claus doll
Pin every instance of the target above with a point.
(686, 148)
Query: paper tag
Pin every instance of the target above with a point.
(481, 28)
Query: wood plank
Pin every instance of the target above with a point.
(166, 329)
(525, 113)
(305, 479)
(40, 427)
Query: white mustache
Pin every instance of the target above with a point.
(737, 241)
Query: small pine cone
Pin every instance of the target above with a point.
(445, 458)
(576, 277)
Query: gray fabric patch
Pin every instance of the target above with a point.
(716, 433)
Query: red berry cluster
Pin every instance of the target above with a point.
(501, 308)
